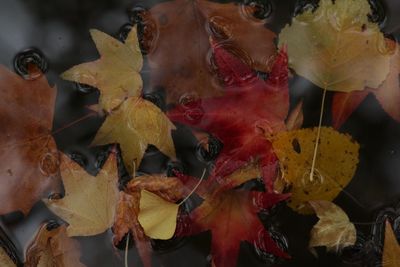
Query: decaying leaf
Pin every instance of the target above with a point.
(333, 230)
(232, 217)
(5, 260)
(89, 202)
(240, 119)
(157, 216)
(53, 248)
(29, 160)
(391, 248)
(134, 125)
(340, 49)
(116, 73)
(388, 95)
(178, 43)
(336, 163)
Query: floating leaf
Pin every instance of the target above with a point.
(391, 248)
(29, 160)
(136, 124)
(340, 49)
(89, 202)
(116, 73)
(336, 163)
(333, 230)
(157, 216)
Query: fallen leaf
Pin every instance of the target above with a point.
(89, 202)
(5, 260)
(116, 73)
(335, 165)
(134, 125)
(391, 248)
(340, 49)
(333, 230)
(250, 108)
(53, 248)
(177, 39)
(29, 160)
(157, 216)
(232, 217)
(388, 95)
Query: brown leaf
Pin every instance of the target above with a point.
(53, 248)
(178, 43)
(29, 160)
(391, 248)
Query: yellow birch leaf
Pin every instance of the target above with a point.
(5, 260)
(116, 73)
(333, 230)
(134, 125)
(335, 165)
(157, 216)
(391, 248)
(336, 47)
(89, 202)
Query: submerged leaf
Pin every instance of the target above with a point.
(333, 230)
(116, 73)
(336, 163)
(157, 216)
(89, 202)
(391, 248)
(136, 124)
(29, 159)
(340, 49)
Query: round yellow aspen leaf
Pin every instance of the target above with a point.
(335, 164)
(157, 216)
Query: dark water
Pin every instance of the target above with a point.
(59, 30)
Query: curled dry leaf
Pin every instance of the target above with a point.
(29, 160)
(157, 216)
(341, 50)
(335, 165)
(134, 125)
(5, 260)
(89, 202)
(177, 39)
(388, 95)
(333, 230)
(116, 73)
(391, 248)
(53, 248)
(250, 108)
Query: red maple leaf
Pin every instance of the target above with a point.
(249, 109)
(232, 216)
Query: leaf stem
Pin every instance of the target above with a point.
(194, 189)
(126, 250)
(321, 115)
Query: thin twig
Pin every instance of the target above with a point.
(194, 189)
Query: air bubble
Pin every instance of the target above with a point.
(208, 150)
(194, 115)
(190, 100)
(30, 64)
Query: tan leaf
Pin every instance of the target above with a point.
(5, 260)
(134, 125)
(89, 202)
(116, 73)
(391, 248)
(337, 47)
(53, 248)
(333, 230)
(335, 165)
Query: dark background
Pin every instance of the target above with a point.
(60, 30)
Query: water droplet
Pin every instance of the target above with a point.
(123, 32)
(208, 150)
(30, 64)
(259, 9)
(190, 100)
(194, 115)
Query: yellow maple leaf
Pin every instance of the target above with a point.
(116, 73)
(134, 125)
(333, 230)
(337, 47)
(391, 248)
(89, 202)
(335, 165)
